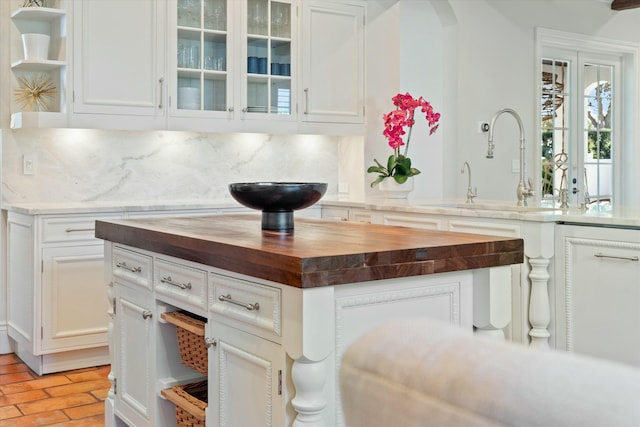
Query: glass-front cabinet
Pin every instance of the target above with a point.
(233, 58)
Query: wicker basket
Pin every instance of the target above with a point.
(190, 333)
(190, 401)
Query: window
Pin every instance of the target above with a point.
(582, 137)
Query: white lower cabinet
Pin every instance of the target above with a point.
(598, 306)
(57, 302)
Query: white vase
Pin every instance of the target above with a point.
(392, 190)
(35, 46)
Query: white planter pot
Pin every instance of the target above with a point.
(392, 190)
(36, 47)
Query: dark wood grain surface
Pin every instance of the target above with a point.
(318, 252)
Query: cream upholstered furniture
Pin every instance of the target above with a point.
(418, 372)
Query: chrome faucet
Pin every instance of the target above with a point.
(522, 191)
(470, 194)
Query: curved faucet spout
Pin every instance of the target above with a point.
(492, 125)
(470, 193)
(522, 191)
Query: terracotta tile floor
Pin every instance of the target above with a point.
(71, 398)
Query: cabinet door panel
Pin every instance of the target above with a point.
(117, 57)
(247, 369)
(602, 292)
(75, 313)
(325, 65)
(135, 355)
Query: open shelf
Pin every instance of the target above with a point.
(37, 65)
(44, 14)
(38, 119)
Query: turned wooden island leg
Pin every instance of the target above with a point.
(539, 309)
(309, 378)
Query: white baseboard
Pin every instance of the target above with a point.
(5, 342)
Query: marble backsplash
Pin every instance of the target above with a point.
(77, 165)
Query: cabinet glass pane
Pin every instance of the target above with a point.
(257, 56)
(280, 97)
(257, 17)
(215, 52)
(215, 94)
(257, 95)
(280, 58)
(188, 49)
(189, 13)
(215, 15)
(189, 93)
(280, 20)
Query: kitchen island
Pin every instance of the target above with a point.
(280, 308)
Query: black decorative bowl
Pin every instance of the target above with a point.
(277, 200)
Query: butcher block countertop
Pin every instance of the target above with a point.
(318, 252)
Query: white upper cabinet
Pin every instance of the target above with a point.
(276, 66)
(333, 62)
(118, 65)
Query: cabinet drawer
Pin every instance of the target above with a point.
(74, 229)
(181, 282)
(249, 303)
(134, 267)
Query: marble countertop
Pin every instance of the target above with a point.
(606, 216)
(118, 206)
(600, 216)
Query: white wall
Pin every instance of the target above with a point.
(382, 71)
(496, 69)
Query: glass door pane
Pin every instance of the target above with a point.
(258, 17)
(598, 144)
(202, 55)
(215, 15)
(189, 13)
(555, 132)
(268, 57)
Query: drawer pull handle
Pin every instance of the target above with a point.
(146, 314)
(168, 281)
(210, 342)
(626, 258)
(77, 230)
(126, 267)
(227, 298)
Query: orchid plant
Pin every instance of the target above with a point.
(399, 165)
